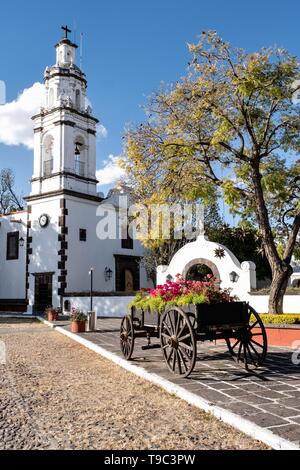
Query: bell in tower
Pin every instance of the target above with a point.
(61, 92)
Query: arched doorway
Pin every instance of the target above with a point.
(198, 272)
(198, 268)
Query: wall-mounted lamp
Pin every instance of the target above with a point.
(21, 241)
(107, 274)
(233, 276)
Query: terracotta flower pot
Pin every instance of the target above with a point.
(78, 326)
(52, 315)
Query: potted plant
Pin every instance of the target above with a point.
(52, 314)
(78, 321)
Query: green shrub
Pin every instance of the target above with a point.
(191, 299)
(279, 319)
(157, 304)
(154, 304)
(78, 315)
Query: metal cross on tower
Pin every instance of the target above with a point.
(66, 30)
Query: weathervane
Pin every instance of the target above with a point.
(66, 30)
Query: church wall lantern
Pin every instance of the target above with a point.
(108, 274)
(233, 276)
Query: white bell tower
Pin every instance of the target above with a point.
(65, 130)
(63, 200)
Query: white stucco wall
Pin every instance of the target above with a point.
(81, 256)
(295, 277)
(44, 246)
(12, 272)
(117, 306)
(291, 303)
(103, 306)
(95, 253)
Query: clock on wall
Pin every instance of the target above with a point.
(44, 220)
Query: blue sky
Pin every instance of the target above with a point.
(129, 48)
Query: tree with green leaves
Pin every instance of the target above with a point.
(230, 127)
(160, 251)
(246, 243)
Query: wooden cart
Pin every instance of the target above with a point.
(179, 328)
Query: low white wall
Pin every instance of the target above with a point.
(291, 303)
(103, 306)
(117, 306)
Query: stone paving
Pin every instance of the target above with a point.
(270, 397)
(57, 394)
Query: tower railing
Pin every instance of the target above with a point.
(80, 168)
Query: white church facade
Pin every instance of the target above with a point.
(48, 250)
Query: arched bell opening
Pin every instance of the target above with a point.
(80, 151)
(47, 161)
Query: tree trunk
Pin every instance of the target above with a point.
(281, 268)
(279, 284)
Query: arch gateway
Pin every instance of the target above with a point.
(226, 268)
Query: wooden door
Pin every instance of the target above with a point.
(129, 282)
(42, 292)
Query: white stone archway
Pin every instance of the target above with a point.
(213, 267)
(203, 251)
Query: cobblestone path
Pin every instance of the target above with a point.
(55, 394)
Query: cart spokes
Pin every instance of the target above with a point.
(127, 337)
(178, 341)
(249, 344)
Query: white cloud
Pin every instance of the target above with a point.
(111, 172)
(101, 131)
(16, 126)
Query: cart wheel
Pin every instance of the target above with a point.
(178, 342)
(250, 345)
(127, 337)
